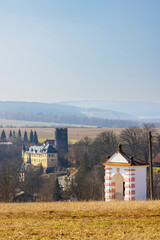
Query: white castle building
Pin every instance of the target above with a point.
(125, 177)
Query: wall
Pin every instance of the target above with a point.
(135, 182)
(140, 183)
(45, 159)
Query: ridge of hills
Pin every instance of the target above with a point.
(103, 114)
(61, 109)
(131, 109)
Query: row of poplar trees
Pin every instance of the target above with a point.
(33, 137)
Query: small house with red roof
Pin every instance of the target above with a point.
(125, 177)
(49, 141)
(156, 161)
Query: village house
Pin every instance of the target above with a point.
(49, 141)
(156, 161)
(125, 177)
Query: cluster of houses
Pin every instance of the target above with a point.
(49, 156)
(125, 176)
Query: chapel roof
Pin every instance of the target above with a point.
(122, 158)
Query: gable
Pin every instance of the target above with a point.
(117, 158)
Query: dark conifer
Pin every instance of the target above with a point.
(19, 133)
(10, 134)
(57, 191)
(3, 135)
(31, 136)
(25, 138)
(35, 138)
(85, 165)
(14, 134)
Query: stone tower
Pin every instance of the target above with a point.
(61, 142)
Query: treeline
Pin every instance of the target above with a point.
(50, 117)
(89, 156)
(11, 163)
(33, 137)
(18, 184)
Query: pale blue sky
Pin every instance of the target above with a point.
(57, 50)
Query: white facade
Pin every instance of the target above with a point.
(124, 180)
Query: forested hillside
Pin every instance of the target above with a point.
(83, 115)
(69, 119)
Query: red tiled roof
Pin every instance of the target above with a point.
(73, 173)
(135, 161)
(49, 141)
(156, 160)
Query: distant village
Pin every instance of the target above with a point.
(99, 169)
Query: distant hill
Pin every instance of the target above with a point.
(61, 109)
(131, 110)
(88, 113)
(37, 107)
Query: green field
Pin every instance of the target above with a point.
(80, 220)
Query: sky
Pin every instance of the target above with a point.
(61, 50)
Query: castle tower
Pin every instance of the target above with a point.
(61, 143)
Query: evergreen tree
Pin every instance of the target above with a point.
(14, 134)
(35, 138)
(3, 135)
(31, 136)
(85, 165)
(10, 134)
(25, 138)
(57, 191)
(19, 133)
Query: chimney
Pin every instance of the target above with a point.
(119, 147)
(131, 160)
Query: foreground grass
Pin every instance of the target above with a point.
(80, 220)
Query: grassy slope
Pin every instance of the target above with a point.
(80, 220)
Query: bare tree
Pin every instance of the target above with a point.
(135, 141)
(90, 186)
(8, 181)
(104, 144)
(132, 139)
(77, 150)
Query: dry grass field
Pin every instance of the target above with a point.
(80, 220)
(73, 133)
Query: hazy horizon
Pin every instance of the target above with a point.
(79, 100)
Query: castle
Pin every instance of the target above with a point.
(50, 156)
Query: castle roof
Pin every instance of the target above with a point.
(41, 149)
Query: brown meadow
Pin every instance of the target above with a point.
(73, 133)
(80, 220)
